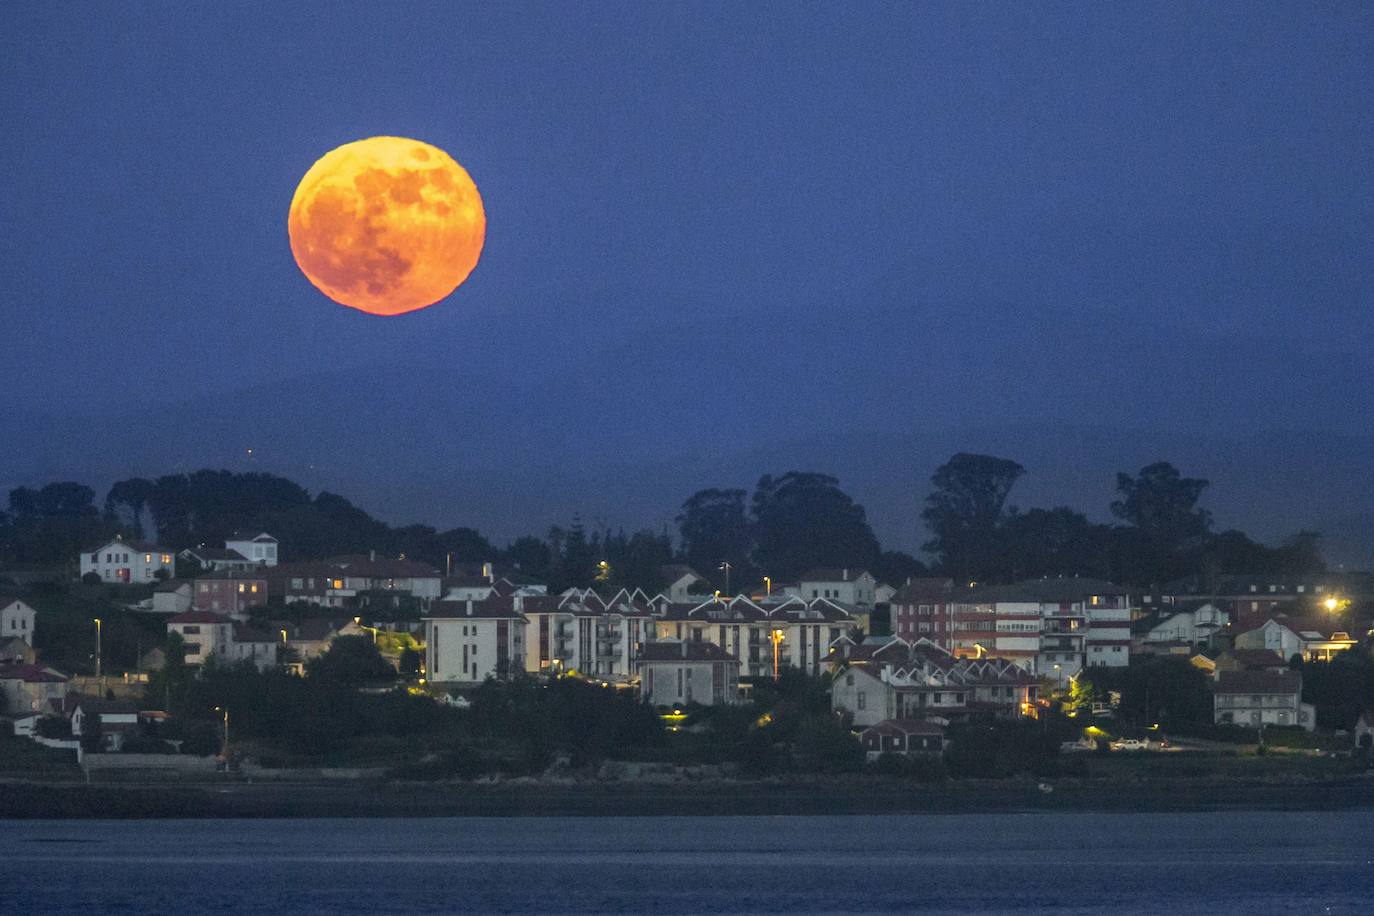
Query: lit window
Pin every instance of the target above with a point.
(147, 558)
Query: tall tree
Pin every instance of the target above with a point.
(965, 513)
(1162, 504)
(1054, 542)
(715, 530)
(126, 502)
(802, 520)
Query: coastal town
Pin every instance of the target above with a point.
(906, 671)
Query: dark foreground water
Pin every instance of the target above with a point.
(1234, 862)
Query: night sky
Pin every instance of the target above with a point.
(723, 240)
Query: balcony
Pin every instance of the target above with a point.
(1061, 643)
(609, 633)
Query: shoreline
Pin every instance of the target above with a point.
(21, 800)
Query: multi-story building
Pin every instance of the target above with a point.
(674, 672)
(581, 631)
(845, 585)
(32, 688)
(1051, 627)
(229, 591)
(349, 581)
(259, 548)
(127, 561)
(203, 633)
(788, 632)
(876, 681)
(1257, 698)
(468, 641)
(1310, 639)
(16, 619)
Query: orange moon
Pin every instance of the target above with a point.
(386, 225)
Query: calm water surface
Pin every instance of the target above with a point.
(1064, 863)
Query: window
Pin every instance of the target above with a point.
(849, 680)
(863, 700)
(241, 588)
(190, 630)
(923, 609)
(147, 558)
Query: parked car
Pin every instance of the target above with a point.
(1130, 744)
(1080, 746)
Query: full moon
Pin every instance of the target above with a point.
(386, 225)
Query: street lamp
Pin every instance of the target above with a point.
(1332, 604)
(776, 637)
(283, 636)
(1058, 676)
(768, 584)
(725, 565)
(224, 752)
(97, 648)
(358, 621)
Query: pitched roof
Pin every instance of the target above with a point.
(216, 553)
(496, 607)
(1256, 658)
(690, 650)
(833, 574)
(262, 537)
(172, 585)
(925, 590)
(1050, 589)
(383, 567)
(673, 572)
(198, 617)
(1285, 682)
(899, 727)
(31, 674)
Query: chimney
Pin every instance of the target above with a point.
(469, 607)
(489, 572)
(684, 650)
(519, 604)
(372, 556)
(844, 574)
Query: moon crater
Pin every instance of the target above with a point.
(386, 225)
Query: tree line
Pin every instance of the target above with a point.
(788, 524)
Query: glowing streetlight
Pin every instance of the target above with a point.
(1332, 604)
(358, 622)
(97, 648)
(776, 636)
(725, 565)
(768, 584)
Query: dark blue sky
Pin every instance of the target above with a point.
(723, 240)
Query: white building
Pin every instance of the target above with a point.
(845, 585)
(1256, 698)
(682, 584)
(467, 642)
(127, 561)
(798, 633)
(900, 680)
(1286, 636)
(204, 633)
(32, 689)
(173, 597)
(260, 548)
(1195, 627)
(677, 673)
(16, 619)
